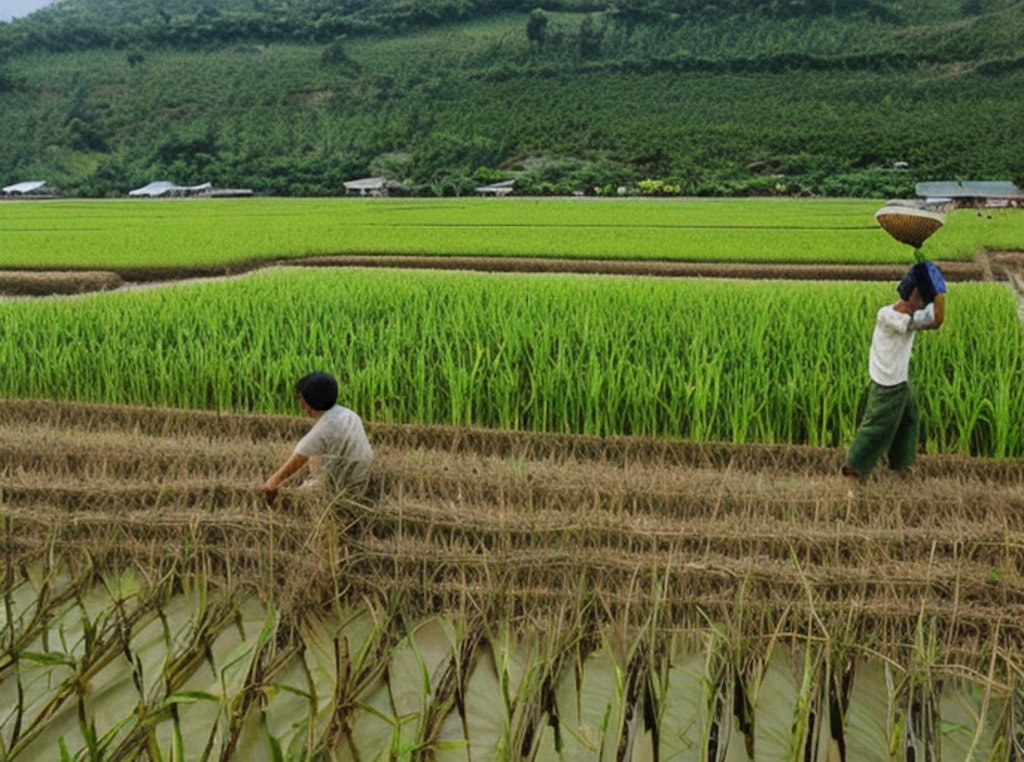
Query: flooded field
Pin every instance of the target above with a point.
(591, 578)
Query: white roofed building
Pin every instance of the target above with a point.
(370, 186)
(160, 188)
(504, 188)
(35, 188)
(970, 193)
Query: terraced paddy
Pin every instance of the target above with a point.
(501, 595)
(757, 561)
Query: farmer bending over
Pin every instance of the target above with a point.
(890, 420)
(336, 447)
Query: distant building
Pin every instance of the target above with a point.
(504, 188)
(27, 189)
(228, 193)
(165, 188)
(954, 194)
(371, 186)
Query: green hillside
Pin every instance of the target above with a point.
(292, 97)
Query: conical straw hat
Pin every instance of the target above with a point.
(909, 225)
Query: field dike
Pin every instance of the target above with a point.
(1004, 266)
(500, 595)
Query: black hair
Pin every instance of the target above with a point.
(319, 389)
(917, 277)
(925, 286)
(906, 286)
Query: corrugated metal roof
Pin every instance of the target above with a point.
(162, 187)
(157, 188)
(499, 189)
(967, 188)
(366, 183)
(25, 187)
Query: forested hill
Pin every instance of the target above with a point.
(734, 97)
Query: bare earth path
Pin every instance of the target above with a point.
(1001, 266)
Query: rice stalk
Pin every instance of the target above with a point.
(687, 583)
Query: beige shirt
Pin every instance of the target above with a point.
(339, 452)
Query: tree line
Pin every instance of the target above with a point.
(85, 24)
(652, 97)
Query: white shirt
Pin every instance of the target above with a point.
(892, 343)
(337, 447)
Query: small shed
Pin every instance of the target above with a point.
(970, 193)
(504, 188)
(229, 193)
(29, 188)
(370, 186)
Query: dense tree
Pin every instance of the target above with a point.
(335, 55)
(761, 96)
(537, 26)
(590, 37)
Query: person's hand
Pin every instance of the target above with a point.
(939, 311)
(270, 489)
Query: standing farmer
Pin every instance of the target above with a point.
(336, 447)
(890, 422)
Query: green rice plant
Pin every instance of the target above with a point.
(481, 706)
(525, 666)
(723, 600)
(588, 702)
(779, 721)
(341, 661)
(709, 360)
(389, 718)
(684, 696)
(970, 721)
(871, 713)
(117, 669)
(971, 410)
(231, 234)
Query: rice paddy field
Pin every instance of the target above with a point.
(229, 234)
(605, 521)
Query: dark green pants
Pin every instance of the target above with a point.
(889, 426)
